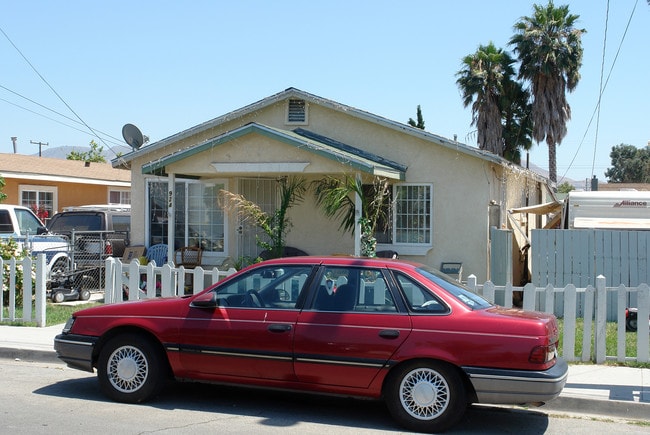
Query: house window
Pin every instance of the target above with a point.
(42, 200)
(199, 220)
(410, 219)
(119, 197)
(412, 214)
(297, 112)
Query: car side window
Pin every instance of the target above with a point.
(265, 287)
(6, 227)
(350, 289)
(419, 298)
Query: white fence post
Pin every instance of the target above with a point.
(600, 329)
(569, 336)
(621, 303)
(40, 289)
(643, 331)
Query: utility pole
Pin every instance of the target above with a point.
(40, 146)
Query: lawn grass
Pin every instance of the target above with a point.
(610, 342)
(55, 314)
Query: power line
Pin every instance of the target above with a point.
(117, 141)
(54, 91)
(602, 90)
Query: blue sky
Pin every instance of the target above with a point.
(166, 66)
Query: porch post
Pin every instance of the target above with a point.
(171, 217)
(357, 218)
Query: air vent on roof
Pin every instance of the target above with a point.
(297, 112)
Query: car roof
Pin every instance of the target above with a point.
(344, 260)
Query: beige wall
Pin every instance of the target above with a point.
(463, 185)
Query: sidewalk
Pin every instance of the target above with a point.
(621, 392)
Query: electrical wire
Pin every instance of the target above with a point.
(602, 91)
(54, 91)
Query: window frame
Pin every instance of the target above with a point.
(409, 248)
(54, 190)
(182, 210)
(121, 193)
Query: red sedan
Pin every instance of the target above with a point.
(375, 328)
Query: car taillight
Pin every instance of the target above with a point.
(542, 354)
(108, 248)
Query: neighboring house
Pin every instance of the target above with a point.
(446, 195)
(49, 185)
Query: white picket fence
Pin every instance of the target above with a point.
(36, 280)
(595, 305)
(137, 281)
(169, 281)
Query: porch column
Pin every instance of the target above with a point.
(171, 217)
(357, 217)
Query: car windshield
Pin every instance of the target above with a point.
(76, 221)
(456, 289)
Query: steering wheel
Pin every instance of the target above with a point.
(256, 299)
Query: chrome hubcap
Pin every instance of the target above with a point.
(127, 369)
(424, 394)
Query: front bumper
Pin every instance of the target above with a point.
(515, 387)
(75, 350)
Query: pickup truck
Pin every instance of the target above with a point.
(21, 224)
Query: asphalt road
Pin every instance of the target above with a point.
(37, 397)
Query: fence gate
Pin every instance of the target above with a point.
(500, 256)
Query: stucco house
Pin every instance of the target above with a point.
(50, 185)
(446, 195)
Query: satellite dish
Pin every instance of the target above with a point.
(133, 136)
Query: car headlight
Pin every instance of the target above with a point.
(68, 325)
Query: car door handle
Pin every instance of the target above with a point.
(389, 333)
(279, 328)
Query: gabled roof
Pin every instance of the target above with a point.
(61, 170)
(300, 138)
(298, 94)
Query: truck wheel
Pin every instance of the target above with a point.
(426, 396)
(130, 368)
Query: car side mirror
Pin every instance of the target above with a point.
(205, 300)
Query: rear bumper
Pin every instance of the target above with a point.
(518, 386)
(75, 350)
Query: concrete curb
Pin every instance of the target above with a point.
(598, 408)
(29, 355)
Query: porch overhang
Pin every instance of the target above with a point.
(356, 159)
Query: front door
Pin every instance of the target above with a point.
(264, 193)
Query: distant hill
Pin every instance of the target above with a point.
(62, 152)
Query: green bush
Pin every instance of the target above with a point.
(9, 249)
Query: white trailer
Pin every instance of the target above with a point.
(614, 210)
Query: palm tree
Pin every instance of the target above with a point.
(549, 50)
(516, 120)
(335, 196)
(481, 82)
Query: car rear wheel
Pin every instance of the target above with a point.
(426, 396)
(130, 369)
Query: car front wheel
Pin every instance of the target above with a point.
(130, 369)
(426, 396)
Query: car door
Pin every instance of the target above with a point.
(249, 334)
(350, 330)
